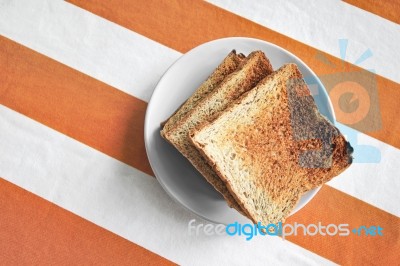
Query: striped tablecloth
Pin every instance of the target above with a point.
(75, 77)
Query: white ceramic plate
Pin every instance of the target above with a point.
(176, 175)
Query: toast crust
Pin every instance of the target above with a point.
(272, 145)
(253, 69)
(226, 67)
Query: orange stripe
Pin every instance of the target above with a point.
(95, 114)
(183, 25)
(72, 103)
(34, 231)
(331, 206)
(389, 9)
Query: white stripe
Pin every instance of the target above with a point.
(108, 192)
(115, 55)
(322, 23)
(376, 182)
(121, 199)
(88, 43)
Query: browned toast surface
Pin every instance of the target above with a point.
(272, 145)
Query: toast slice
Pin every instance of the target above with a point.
(272, 145)
(253, 69)
(226, 67)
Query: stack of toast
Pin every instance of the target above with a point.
(257, 136)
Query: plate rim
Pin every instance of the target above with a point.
(170, 68)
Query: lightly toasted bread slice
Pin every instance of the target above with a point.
(272, 145)
(226, 67)
(253, 69)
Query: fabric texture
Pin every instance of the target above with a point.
(76, 186)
